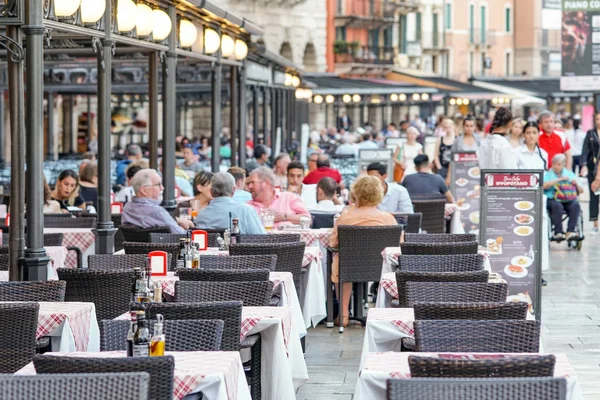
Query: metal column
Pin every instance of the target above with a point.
(255, 112)
(105, 231)
(50, 108)
(266, 122)
(233, 104)
(35, 261)
(153, 106)
(215, 114)
(283, 115)
(169, 115)
(243, 114)
(16, 237)
(2, 133)
(274, 120)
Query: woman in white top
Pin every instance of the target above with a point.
(576, 138)
(530, 155)
(516, 133)
(495, 151)
(405, 154)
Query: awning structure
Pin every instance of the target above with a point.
(330, 84)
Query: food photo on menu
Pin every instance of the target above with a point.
(467, 191)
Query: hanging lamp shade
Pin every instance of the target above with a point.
(227, 46)
(92, 11)
(212, 41)
(162, 25)
(126, 19)
(144, 22)
(329, 99)
(318, 99)
(241, 49)
(66, 8)
(188, 33)
(288, 80)
(295, 81)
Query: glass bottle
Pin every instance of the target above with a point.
(226, 239)
(196, 256)
(235, 231)
(131, 332)
(157, 294)
(135, 288)
(182, 242)
(141, 339)
(157, 345)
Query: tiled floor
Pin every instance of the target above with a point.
(570, 324)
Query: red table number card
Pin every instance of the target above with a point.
(158, 263)
(7, 221)
(116, 208)
(200, 237)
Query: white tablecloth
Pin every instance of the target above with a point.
(451, 211)
(83, 238)
(58, 256)
(379, 367)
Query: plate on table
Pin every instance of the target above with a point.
(524, 205)
(515, 271)
(474, 217)
(473, 194)
(474, 172)
(524, 297)
(522, 261)
(461, 182)
(523, 219)
(523, 230)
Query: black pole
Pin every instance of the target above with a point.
(243, 114)
(16, 95)
(2, 133)
(215, 114)
(50, 108)
(266, 121)
(233, 104)
(36, 261)
(274, 120)
(283, 119)
(153, 108)
(89, 121)
(255, 111)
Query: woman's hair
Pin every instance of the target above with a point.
(90, 170)
(537, 128)
(502, 118)
(202, 178)
(69, 173)
(559, 158)
(47, 192)
(368, 191)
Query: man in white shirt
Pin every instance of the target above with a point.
(295, 176)
(367, 142)
(325, 196)
(396, 198)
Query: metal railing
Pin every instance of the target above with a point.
(365, 55)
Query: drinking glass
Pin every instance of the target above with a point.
(185, 213)
(268, 219)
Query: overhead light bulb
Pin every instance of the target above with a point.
(329, 99)
(318, 99)
(188, 33)
(66, 8)
(452, 102)
(425, 96)
(126, 11)
(346, 98)
(162, 25)
(416, 96)
(288, 80)
(212, 41)
(241, 49)
(402, 97)
(92, 11)
(144, 22)
(394, 97)
(227, 46)
(356, 98)
(295, 81)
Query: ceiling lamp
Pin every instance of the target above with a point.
(453, 102)
(318, 99)
(416, 96)
(227, 46)
(375, 100)
(402, 97)
(212, 41)
(66, 8)
(295, 81)
(241, 49)
(188, 33)
(329, 99)
(92, 11)
(162, 25)
(126, 11)
(346, 98)
(393, 97)
(459, 102)
(501, 100)
(288, 80)
(143, 20)
(466, 102)
(495, 100)
(356, 98)
(425, 96)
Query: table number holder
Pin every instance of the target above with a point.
(158, 263)
(200, 237)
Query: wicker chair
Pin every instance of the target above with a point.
(411, 222)
(289, 256)
(322, 219)
(160, 369)
(145, 248)
(59, 222)
(223, 275)
(181, 335)
(19, 322)
(115, 386)
(447, 263)
(359, 258)
(109, 290)
(33, 291)
(174, 238)
(506, 336)
(132, 233)
(447, 292)
(433, 214)
(119, 239)
(4, 262)
(53, 239)
(512, 367)
(268, 261)
(402, 277)
(250, 293)
(472, 311)
(439, 248)
(475, 389)
(274, 238)
(120, 261)
(439, 237)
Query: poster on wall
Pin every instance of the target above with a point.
(511, 231)
(465, 187)
(580, 39)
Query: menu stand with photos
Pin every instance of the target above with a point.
(512, 212)
(465, 186)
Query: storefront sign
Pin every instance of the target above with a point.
(511, 230)
(465, 187)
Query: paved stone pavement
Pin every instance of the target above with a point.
(570, 325)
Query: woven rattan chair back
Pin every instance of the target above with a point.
(180, 335)
(33, 291)
(120, 261)
(411, 222)
(230, 312)
(322, 220)
(433, 214)
(79, 222)
(160, 369)
(273, 238)
(439, 248)
(447, 263)
(476, 389)
(224, 275)
(511, 367)
(4, 262)
(109, 290)
(505, 336)
(132, 233)
(458, 292)
(405, 276)
(19, 322)
(145, 248)
(472, 311)
(439, 237)
(268, 261)
(119, 239)
(289, 256)
(360, 250)
(53, 239)
(115, 386)
(174, 238)
(250, 293)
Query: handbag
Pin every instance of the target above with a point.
(565, 192)
(398, 170)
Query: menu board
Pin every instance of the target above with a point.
(368, 156)
(465, 187)
(511, 230)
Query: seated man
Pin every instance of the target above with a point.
(241, 195)
(223, 208)
(326, 195)
(190, 162)
(144, 209)
(561, 188)
(308, 193)
(287, 207)
(424, 182)
(396, 198)
(323, 170)
(126, 193)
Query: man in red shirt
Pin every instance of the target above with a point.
(323, 171)
(552, 140)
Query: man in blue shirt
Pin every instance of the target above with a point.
(134, 153)
(223, 208)
(396, 198)
(241, 195)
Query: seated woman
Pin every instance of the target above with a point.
(561, 188)
(66, 191)
(368, 193)
(88, 184)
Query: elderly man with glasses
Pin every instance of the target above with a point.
(144, 209)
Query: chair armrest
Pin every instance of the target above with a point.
(79, 255)
(333, 249)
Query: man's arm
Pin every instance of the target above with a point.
(163, 218)
(404, 202)
(449, 198)
(251, 225)
(569, 159)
